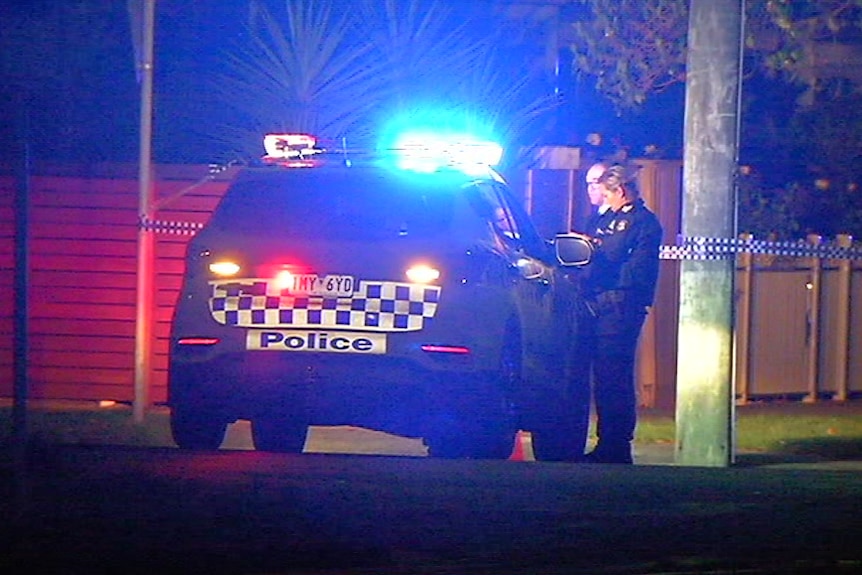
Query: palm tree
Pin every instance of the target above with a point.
(300, 73)
(340, 71)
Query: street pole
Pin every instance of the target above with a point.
(21, 361)
(705, 395)
(146, 240)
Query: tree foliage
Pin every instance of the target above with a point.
(803, 158)
(635, 48)
(294, 71)
(802, 169)
(632, 47)
(315, 66)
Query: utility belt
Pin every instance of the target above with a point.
(612, 302)
(616, 296)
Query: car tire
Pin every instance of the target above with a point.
(485, 427)
(561, 432)
(195, 429)
(480, 438)
(278, 433)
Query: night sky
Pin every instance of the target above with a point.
(85, 101)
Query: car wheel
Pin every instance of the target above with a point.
(481, 438)
(278, 433)
(485, 427)
(196, 429)
(495, 441)
(560, 434)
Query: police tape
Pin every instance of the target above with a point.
(704, 248)
(169, 226)
(686, 248)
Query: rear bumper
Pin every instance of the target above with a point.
(383, 393)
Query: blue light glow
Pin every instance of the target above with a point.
(433, 136)
(428, 151)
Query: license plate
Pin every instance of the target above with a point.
(316, 341)
(329, 285)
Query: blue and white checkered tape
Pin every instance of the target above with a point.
(170, 226)
(704, 248)
(375, 306)
(686, 248)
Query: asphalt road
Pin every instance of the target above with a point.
(158, 510)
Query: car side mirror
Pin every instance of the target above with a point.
(573, 249)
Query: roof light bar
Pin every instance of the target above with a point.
(428, 152)
(289, 146)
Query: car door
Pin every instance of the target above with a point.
(536, 278)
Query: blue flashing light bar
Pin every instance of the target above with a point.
(429, 152)
(417, 151)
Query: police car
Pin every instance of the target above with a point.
(405, 291)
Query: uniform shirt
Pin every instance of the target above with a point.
(628, 253)
(595, 218)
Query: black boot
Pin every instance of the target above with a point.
(618, 453)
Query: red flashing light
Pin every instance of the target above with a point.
(454, 349)
(198, 341)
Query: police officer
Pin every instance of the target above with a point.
(594, 188)
(619, 289)
(598, 207)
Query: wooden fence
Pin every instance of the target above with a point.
(82, 279)
(797, 333)
(799, 328)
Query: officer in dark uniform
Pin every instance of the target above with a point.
(619, 288)
(598, 207)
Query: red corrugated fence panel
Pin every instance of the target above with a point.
(83, 277)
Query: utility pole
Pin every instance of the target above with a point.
(146, 239)
(705, 394)
(21, 354)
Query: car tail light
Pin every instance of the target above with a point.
(198, 341)
(284, 280)
(224, 268)
(422, 274)
(454, 349)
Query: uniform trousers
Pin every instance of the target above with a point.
(612, 332)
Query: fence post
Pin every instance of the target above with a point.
(842, 320)
(812, 333)
(742, 346)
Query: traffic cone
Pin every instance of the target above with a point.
(523, 448)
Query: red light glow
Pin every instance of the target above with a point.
(198, 341)
(422, 274)
(283, 280)
(456, 349)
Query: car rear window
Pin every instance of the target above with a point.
(355, 202)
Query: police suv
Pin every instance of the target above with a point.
(405, 291)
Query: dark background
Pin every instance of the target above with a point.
(68, 85)
(76, 82)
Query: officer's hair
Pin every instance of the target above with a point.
(619, 177)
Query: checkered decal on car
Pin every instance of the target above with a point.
(375, 306)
